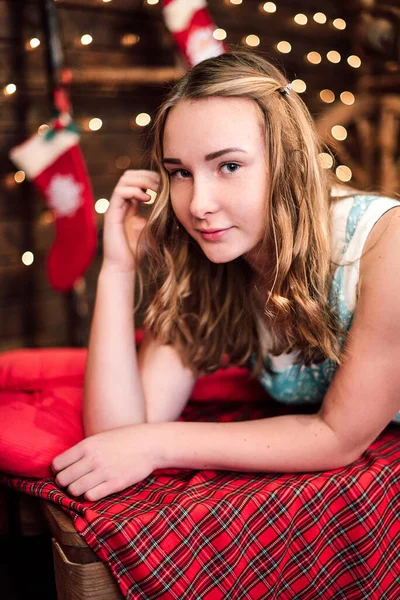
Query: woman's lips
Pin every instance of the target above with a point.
(215, 234)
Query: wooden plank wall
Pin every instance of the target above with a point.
(113, 82)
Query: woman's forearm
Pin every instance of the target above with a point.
(289, 443)
(113, 395)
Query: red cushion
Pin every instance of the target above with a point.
(41, 404)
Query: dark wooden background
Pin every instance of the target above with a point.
(116, 82)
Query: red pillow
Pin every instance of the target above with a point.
(41, 404)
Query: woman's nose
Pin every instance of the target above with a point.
(204, 199)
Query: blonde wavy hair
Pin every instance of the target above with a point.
(208, 311)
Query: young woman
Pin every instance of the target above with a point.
(254, 259)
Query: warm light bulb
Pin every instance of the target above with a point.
(9, 89)
(327, 96)
(269, 7)
(106, 1)
(300, 19)
(34, 43)
(299, 86)
(219, 34)
(142, 119)
(151, 2)
(27, 258)
(101, 206)
(314, 58)
(319, 17)
(86, 39)
(339, 132)
(43, 128)
(95, 124)
(326, 160)
(347, 98)
(343, 173)
(333, 56)
(130, 39)
(252, 40)
(354, 61)
(236, 1)
(19, 176)
(284, 47)
(339, 23)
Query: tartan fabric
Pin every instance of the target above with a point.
(216, 534)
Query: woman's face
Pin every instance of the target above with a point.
(214, 152)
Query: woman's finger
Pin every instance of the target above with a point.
(103, 489)
(85, 483)
(128, 193)
(73, 472)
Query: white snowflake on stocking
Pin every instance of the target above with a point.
(65, 195)
(201, 45)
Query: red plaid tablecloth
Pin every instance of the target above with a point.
(227, 535)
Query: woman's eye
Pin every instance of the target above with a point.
(231, 165)
(175, 173)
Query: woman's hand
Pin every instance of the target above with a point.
(107, 462)
(122, 224)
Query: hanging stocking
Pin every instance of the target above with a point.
(55, 164)
(192, 28)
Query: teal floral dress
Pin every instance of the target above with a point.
(352, 220)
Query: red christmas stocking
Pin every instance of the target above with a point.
(55, 164)
(192, 29)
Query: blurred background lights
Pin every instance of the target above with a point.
(300, 19)
(339, 132)
(339, 23)
(326, 160)
(10, 89)
(333, 56)
(269, 7)
(122, 162)
(27, 258)
(299, 86)
(86, 39)
(34, 43)
(343, 173)
(101, 206)
(142, 119)
(151, 2)
(130, 39)
(219, 34)
(327, 96)
(320, 17)
(236, 1)
(19, 176)
(347, 98)
(284, 47)
(106, 1)
(252, 40)
(354, 61)
(95, 124)
(314, 58)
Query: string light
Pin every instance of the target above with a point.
(314, 58)
(152, 2)
(252, 40)
(123, 162)
(327, 96)
(269, 7)
(333, 56)
(95, 124)
(27, 258)
(284, 47)
(219, 34)
(339, 132)
(142, 119)
(10, 89)
(106, 1)
(130, 39)
(326, 160)
(47, 217)
(33, 43)
(343, 173)
(299, 86)
(300, 19)
(347, 98)
(86, 39)
(339, 23)
(19, 176)
(43, 128)
(235, 1)
(319, 17)
(101, 206)
(354, 61)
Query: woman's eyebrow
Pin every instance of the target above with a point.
(177, 161)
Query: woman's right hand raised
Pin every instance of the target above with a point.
(122, 224)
